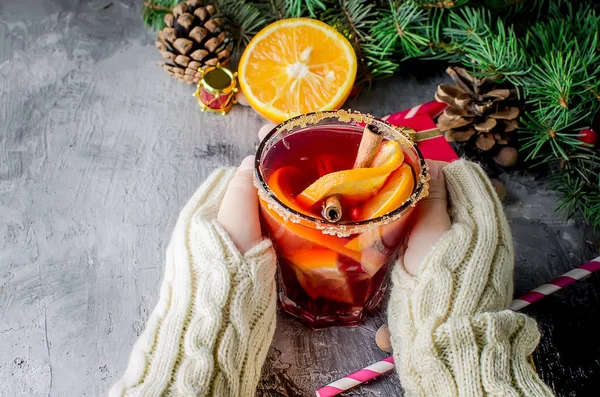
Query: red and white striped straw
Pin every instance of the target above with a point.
(556, 284)
(355, 379)
(374, 370)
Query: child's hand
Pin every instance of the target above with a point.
(431, 220)
(239, 209)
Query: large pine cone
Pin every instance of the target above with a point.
(478, 112)
(192, 39)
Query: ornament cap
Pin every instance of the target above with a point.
(218, 80)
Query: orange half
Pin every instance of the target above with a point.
(296, 66)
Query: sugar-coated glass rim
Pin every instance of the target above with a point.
(318, 118)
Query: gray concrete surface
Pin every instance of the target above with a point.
(99, 149)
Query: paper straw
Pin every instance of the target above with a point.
(352, 380)
(556, 284)
(374, 370)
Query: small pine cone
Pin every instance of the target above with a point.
(479, 113)
(192, 39)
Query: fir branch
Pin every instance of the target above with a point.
(561, 88)
(441, 4)
(491, 49)
(467, 23)
(243, 19)
(540, 135)
(517, 8)
(353, 19)
(558, 84)
(578, 183)
(440, 46)
(377, 63)
(274, 7)
(401, 29)
(300, 8)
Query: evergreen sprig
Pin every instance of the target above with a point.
(554, 63)
(488, 46)
(409, 34)
(243, 19)
(353, 20)
(301, 8)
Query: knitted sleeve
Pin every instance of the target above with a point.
(215, 318)
(450, 328)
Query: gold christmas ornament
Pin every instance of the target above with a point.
(216, 89)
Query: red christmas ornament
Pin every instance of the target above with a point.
(589, 135)
(216, 89)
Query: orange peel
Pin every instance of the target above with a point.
(356, 184)
(397, 189)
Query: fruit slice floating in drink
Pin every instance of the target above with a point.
(318, 274)
(396, 190)
(280, 183)
(358, 184)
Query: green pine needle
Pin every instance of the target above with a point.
(489, 47)
(402, 30)
(243, 19)
(353, 20)
(302, 8)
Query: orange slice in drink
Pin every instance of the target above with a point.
(312, 259)
(396, 190)
(297, 236)
(356, 184)
(318, 274)
(393, 194)
(296, 66)
(279, 183)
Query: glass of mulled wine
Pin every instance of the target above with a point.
(338, 219)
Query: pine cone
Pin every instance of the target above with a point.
(478, 112)
(191, 40)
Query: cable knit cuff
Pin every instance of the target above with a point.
(449, 328)
(212, 326)
(469, 269)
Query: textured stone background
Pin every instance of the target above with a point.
(99, 150)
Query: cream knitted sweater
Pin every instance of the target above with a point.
(450, 330)
(211, 329)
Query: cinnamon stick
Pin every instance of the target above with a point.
(367, 150)
(332, 208)
(369, 146)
